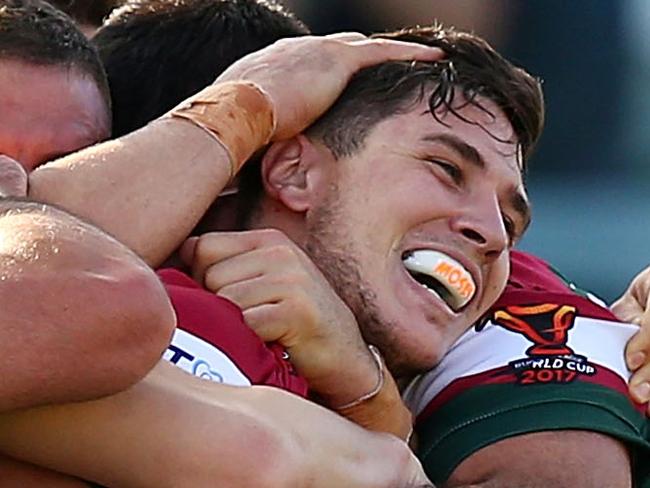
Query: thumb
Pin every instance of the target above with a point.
(418, 478)
(186, 251)
(627, 309)
(13, 178)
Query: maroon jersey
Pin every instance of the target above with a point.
(212, 340)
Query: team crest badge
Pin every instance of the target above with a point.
(549, 359)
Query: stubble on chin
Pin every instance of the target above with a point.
(336, 257)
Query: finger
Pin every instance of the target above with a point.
(215, 247)
(187, 250)
(13, 178)
(376, 51)
(628, 309)
(268, 321)
(257, 291)
(347, 36)
(266, 260)
(418, 477)
(637, 350)
(640, 385)
(275, 322)
(408, 470)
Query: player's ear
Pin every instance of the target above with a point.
(295, 171)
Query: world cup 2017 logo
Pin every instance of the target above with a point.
(549, 359)
(546, 326)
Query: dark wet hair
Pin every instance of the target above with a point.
(90, 12)
(159, 52)
(471, 68)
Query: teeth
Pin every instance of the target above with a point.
(457, 283)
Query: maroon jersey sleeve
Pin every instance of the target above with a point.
(532, 280)
(214, 342)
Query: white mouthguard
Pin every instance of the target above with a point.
(447, 272)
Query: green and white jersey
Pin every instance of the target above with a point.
(546, 358)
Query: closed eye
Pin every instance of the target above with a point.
(452, 170)
(511, 230)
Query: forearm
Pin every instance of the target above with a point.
(82, 316)
(173, 429)
(16, 474)
(147, 189)
(155, 434)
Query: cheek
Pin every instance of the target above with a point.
(497, 279)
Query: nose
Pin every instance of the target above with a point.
(481, 224)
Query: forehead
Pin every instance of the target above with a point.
(48, 109)
(484, 128)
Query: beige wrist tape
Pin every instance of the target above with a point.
(238, 114)
(382, 409)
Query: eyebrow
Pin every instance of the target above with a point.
(469, 153)
(464, 150)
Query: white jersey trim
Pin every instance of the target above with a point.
(601, 341)
(202, 359)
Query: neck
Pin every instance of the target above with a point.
(272, 215)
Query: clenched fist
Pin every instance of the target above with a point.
(286, 299)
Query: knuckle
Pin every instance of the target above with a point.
(293, 282)
(232, 292)
(281, 252)
(211, 280)
(203, 247)
(297, 298)
(271, 235)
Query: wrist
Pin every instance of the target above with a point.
(338, 382)
(239, 115)
(382, 408)
(365, 392)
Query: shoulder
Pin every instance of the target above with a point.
(546, 357)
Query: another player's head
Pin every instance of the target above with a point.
(53, 90)
(159, 52)
(88, 14)
(408, 193)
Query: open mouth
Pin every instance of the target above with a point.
(442, 276)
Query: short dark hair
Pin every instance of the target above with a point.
(35, 32)
(471, 68)
(90, 12)
(159, 52)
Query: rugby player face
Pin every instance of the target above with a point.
(415, 228)
(47, 112)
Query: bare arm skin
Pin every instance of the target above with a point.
(64, 339)
(150, 188)
(16, 474)
(173, 429)
(563, 459)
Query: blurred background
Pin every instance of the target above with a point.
(588, 180)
